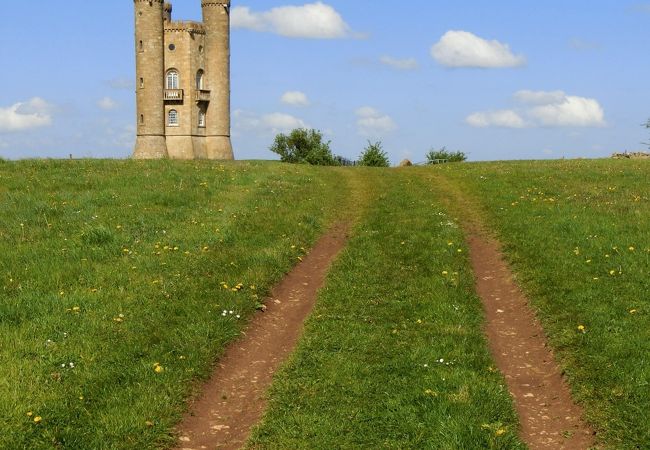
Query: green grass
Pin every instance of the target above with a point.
(109, 269)
(578, 236)
(393, 355)
(119, 267)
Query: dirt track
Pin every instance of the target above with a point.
(549, 417)
(233, 400)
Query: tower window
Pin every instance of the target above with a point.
(141, 83)
(141, 119)
(201, 118)
(172, 80)
(199, 79)
(172, 118)
(141, 46)
(172, 47)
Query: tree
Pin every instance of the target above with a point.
(647, 125)
(374, 156)
(304, 146)
(443, 156)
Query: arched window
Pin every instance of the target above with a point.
(172, 80)
(141, 119)
(199, 79)
(172, 118)
(201, 118)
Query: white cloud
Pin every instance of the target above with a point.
(464, 49)
(268, 123)
(572, 111)
(372, 123)
(295, 98)
(543, 109)
(107, 104)
(280, 122)
(401, 64)
(313, 21)
(504, 118)
(539, 97)
(34, 113)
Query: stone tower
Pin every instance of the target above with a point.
(182, 82)
(150, 68)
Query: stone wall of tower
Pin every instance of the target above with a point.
(201, 128)
(150, 140)
(216, 20)
(184, 53)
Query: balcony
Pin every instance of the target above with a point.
(175, 95)
(201, 95)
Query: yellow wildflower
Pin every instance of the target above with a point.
(582, 328)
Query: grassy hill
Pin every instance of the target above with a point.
(115, 276)
(577, 234)
(122, 281)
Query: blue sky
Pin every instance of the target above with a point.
(497, 80)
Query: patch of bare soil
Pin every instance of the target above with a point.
(233, 400)
(549, 417)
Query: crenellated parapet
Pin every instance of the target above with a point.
(184, 26)
(222, 4)
(167, 12)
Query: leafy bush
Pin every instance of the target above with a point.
(304, 146)
(443, 155)
(374, 156)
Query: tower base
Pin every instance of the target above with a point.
(150, 147)
(218, 148)
(180, 147)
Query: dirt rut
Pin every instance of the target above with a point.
(549, 417)
(233, 400)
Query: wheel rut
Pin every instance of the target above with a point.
(549, 417)
(233, 400)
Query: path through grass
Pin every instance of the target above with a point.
(393, 355)
(121, 282)
(577, 234)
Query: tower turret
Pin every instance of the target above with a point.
(216, 19)
(150, 72)
(167, 12)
